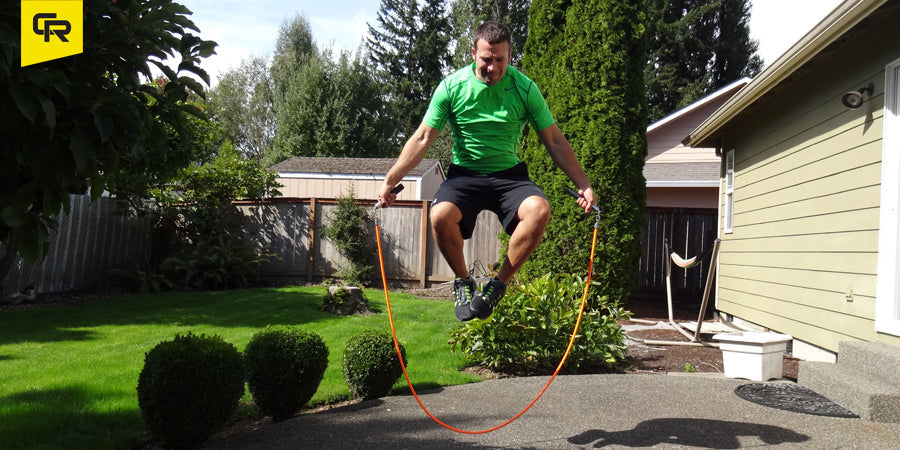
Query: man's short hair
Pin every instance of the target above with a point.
(493, 33)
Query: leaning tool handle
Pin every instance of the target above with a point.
(396, 190)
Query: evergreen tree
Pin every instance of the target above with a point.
(467, 15)
(588, 57)
(695, 48)
(410, 51)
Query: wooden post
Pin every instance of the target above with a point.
(311, 253)
(709, 279)
(423, 254)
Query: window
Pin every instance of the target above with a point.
(729, 190)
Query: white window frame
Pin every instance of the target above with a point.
(728, 213)
(887, 293)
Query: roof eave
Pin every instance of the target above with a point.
(844, 17)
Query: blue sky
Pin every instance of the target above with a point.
(250, 27)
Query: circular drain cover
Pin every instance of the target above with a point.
(791, 397)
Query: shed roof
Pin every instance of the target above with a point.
(348, 166)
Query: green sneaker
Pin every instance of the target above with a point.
(483, 304)
(464, 290)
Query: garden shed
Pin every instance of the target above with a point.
(305, 177)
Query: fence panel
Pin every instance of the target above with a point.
(689, 232)
(284, 227)
(88, 241)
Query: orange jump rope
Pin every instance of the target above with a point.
(558, 367)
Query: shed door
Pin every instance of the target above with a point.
(887, 303)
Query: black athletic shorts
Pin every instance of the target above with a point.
(501, 192)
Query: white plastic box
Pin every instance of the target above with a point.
(753, 355)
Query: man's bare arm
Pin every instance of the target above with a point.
(411, 155)
(564, 157)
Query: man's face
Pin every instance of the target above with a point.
(490, 61)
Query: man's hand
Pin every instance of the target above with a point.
(388, 194)
(587, 200)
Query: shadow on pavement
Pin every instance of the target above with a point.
(688, 432)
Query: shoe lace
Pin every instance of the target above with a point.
(466, 290)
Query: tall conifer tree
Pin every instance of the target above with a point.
(588, 56)
(410, 48)
(695, 48)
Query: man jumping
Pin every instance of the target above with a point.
(487, 104)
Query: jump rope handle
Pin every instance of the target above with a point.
(396, 190)
(573, 193)
(577, 196)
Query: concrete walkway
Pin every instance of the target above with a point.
(577, 411)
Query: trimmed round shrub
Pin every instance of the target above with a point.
(284, 368)
(370, 364)
(189, 388)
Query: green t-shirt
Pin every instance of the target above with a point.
(487, 121)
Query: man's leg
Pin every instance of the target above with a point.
(533, 215)
(445, 220)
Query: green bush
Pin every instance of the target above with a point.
(284, 368)
(189, 388)
(218, 263)
(370, 364)
(532, 326)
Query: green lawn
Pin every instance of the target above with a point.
(68, 374)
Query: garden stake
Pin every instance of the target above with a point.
(558, 367)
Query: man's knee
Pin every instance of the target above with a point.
(445, 213)
(535, 208)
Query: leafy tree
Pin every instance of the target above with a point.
(332, 108)
(243, 103)
(467, 15)
(211, 248)
(294, 47)
(588, 56)
(326, 107)
(695, 48)
(197, 142)
(200, 198)
(79, 121)
(410, 49)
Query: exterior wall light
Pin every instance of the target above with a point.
(854, 99)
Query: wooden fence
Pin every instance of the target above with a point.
(291, 229)
(93, 238)
(88, 241)
(689, 232)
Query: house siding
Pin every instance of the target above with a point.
(802, 257)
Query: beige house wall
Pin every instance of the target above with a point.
(682, 197)
(802, 257)
(664, 143)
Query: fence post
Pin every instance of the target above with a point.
(311, 262)
(423, 253)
